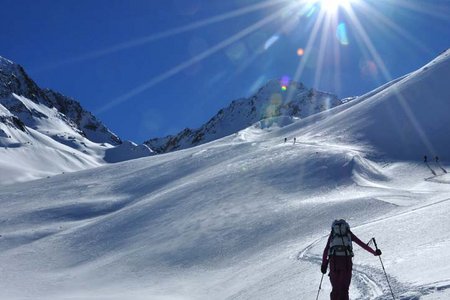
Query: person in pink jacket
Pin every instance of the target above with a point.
(339, 252)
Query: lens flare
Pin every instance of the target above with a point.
(271, 41)
(300, 51)
(368, 68)
(285, 80)
(312, 10)
(273, 108)
(341, 34)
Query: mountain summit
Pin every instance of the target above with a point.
(15, 83)
(276, 103)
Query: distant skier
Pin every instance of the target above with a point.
(436, 159)
(425, 159)
(285, 140)
(295, 139)
(339, 253)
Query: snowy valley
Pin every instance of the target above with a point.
(245, 216)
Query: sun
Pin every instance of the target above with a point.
(331, 6)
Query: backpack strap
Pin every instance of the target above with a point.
(341, 241)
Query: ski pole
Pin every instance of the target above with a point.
(320, 286)
(384, 270)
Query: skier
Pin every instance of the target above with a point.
(424, 158)
(295, 139)
(339, 253)
(285, 140)
(437, 159)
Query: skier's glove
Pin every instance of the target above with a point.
(323, 268)
(378, 252)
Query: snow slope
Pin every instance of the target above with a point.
(406, 119)
(43, 133)
(243, 217)
(39, 142)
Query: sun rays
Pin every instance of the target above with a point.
(335, 25)
(328, 22)
(165, 34)
(205, 54)
(331, 6)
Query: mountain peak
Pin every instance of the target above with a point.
(280, 85)
(15, 80)
(48, 132)
(8, 68)
(277, 98)
(5, 62)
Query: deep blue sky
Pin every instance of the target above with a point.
(76, 48)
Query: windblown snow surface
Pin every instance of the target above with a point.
(247, 216)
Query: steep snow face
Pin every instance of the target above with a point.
(92, 128)
(406, 119)
(9, 120)
(43, 132)
(271, 104)
(15, 82)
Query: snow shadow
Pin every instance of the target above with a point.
(430, 168)
(441, 167)
(416, 293)
(439, 177)
(317, 171)
(76, 211)
(10, 241)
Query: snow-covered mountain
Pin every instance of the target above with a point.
(43, 132)
(51, 125)
(247, 216)
(403, 120)
(277, 102)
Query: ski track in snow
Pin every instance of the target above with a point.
(371, 282)
(364, 279)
